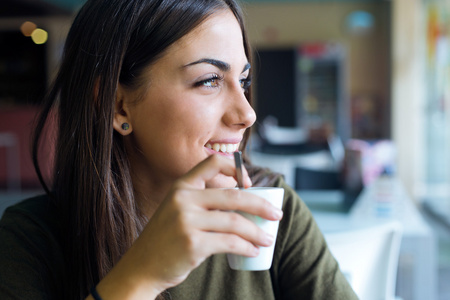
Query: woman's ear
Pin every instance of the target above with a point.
(122, 122)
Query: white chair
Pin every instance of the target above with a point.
(368, 257)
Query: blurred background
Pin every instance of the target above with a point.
(352, 98)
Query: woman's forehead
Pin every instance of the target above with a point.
(218, 37)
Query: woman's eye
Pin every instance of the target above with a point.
(212, 82)
(246, 83)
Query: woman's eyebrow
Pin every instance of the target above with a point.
(247, 66)
(223, 66)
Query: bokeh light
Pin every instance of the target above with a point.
(39, 36)
(360, 22)
(27, 28)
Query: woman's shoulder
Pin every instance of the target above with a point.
(31, 249)
(266, 177)
(38, 204)
(262, 176)
(34, 212)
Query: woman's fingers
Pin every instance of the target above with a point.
(247, 180)
(193, 223)
(213, 211)
(233, 223)
(229, 243)
(208, 169)
(236, 199)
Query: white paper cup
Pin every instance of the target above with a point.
(264, 260)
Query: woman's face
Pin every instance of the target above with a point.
(193, 104)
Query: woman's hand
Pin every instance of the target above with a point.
(190, 225)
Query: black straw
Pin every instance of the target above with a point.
(239, 163)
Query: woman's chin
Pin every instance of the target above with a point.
(221, 181)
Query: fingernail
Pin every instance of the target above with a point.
(277, 213)
(269, 239)
(247, 183)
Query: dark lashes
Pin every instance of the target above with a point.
(247, 82)
(213, 77)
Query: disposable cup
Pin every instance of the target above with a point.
(264, 260)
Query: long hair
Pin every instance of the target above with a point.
(110, 42)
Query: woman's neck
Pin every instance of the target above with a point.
(149, 195)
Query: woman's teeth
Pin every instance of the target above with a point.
(225, 148)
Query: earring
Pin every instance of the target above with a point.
(125, 126)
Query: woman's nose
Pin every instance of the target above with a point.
(239, 112)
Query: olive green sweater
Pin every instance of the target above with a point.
(32, 262)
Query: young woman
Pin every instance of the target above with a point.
(152, 99)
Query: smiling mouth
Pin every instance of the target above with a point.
(224, 148)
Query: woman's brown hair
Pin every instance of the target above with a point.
(110, 42)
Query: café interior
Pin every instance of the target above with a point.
(352, 99)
